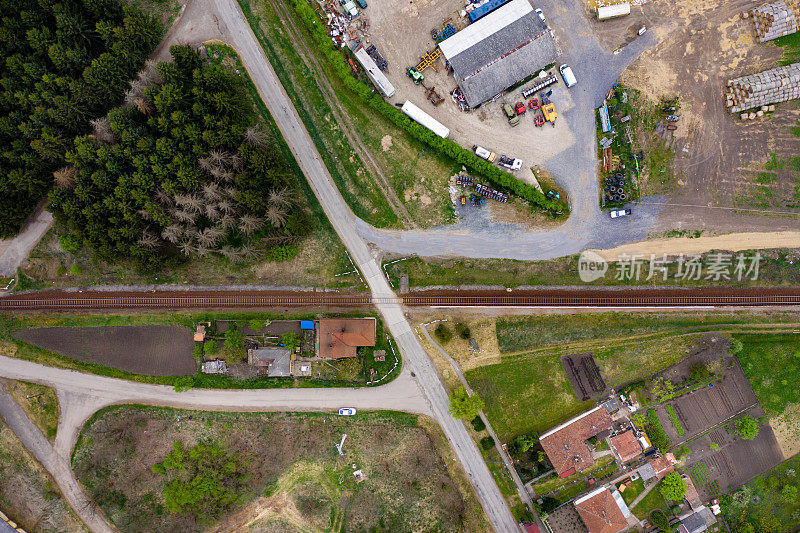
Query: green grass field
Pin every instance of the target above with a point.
(771, 364)
(653, 500)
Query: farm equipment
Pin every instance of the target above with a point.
(465, 180)
(375, 55)
(491, 193)
(549, 112)
(415, 76)
(538, 120)
(438, 36)
(511, 115)
(519, 108)
(547, 82)
(459, 99)
(429, 60)
(477, 201)
(534, 104)
(353, 65)
(430, 92)
(673, 118)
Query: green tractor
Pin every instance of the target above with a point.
(414, 75)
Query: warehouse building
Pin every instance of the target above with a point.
(498, 51)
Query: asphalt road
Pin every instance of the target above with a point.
(343, 221)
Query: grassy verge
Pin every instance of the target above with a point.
(39, 403)
(358, 377)
(774, 269)
(357, 187)
(760, 505)
(516, 334)
(294, 475)
(653, 500)
(632, 491)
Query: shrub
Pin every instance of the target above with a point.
(699, 373)
(464, 406)
(184, 383)
(443, 333)
(477, 424)
(463, 331)
(714, 446)
(487, 442)
(736, 346)
(291, 341)
(281, 253)
(69, 243)
(747, 428)
(790, 494)
(499, 178)
(656, 433)
(198, 350)
(210, 347)
(234, 338)
(75, 270)
(255, 324)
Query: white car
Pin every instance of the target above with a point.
(618, 213)
(540, 13)
(347, 411)
(511, 163)
(568, 75)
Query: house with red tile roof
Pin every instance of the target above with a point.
(626, 445)
(565, 445)
(341, 337)
(603, 511)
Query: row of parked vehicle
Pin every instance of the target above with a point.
(511, 163)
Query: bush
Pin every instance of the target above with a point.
(198, 350)
(184, 383)
(714, 446)
(477, 424)
(75, 270)
(255, 324)
(699, 373)
(463, 331)
(443, 333)
(747, 428)
(234, 338)
(281, 253)
(487, 442)
(69, 243)
(290, 341)
(736, 346)
(499, 178)
(210, 347)
(656, 433)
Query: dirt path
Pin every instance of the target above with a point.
(733, 242)
(342, 117)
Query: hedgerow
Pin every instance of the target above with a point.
(498, 177)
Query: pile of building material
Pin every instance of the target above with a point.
(772, 21)
(771, 86)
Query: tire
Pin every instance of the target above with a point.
(616, 198)
(623, 196)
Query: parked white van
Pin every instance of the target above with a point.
(569, 77)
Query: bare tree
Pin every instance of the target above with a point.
(210, 236)
(149, 74)
(102, 129)
(145, 214)
(231, 253)
(205, 163)
(149, 240)
(211, 191)
(279, 197)
(172, 233)
(144, 107)
(163, 198)
(249, 224)
(227, 222)
(212, 212)
(187, 247)
(226, 175)
(216, 171)
(255, 136)
(226, 206)
(203, 251)
(184, 216)
(235, 161)
(65, 177)
(231, 192)
(217, 157)
(193, 203)
(277, 215)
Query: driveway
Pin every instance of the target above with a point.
(14, 251)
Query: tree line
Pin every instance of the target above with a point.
(64, 62)
(181, 169)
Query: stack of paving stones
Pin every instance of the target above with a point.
(760, 90)
(772, 21)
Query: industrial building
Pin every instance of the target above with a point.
(498, 51)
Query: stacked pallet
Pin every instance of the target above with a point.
(775, 85)
(772, 21)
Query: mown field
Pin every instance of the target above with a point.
(295, 479)
(39, 403)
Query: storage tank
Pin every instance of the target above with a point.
(425, 119)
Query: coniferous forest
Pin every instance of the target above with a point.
(62, 64)
(181, 169)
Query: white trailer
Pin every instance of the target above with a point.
(610, 12)
(374, 73)
(425, 119)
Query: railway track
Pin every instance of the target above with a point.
(578, 298)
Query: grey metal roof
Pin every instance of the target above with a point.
(279, 361)
(694, 523)
(497, 61)
(647, 472)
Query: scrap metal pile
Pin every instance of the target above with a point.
(459, 99)
(340, 25)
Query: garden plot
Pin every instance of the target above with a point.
(584, 375)
(721, 461)
(704, 408)
(148, 350)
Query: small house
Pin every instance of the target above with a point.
(341, 337)
(275, 362)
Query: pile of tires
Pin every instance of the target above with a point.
(615, 188)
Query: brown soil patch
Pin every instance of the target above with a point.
(386, 142)
(787, 430)
(149, 350)
(290, 456)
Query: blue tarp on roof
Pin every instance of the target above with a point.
(306, 324)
